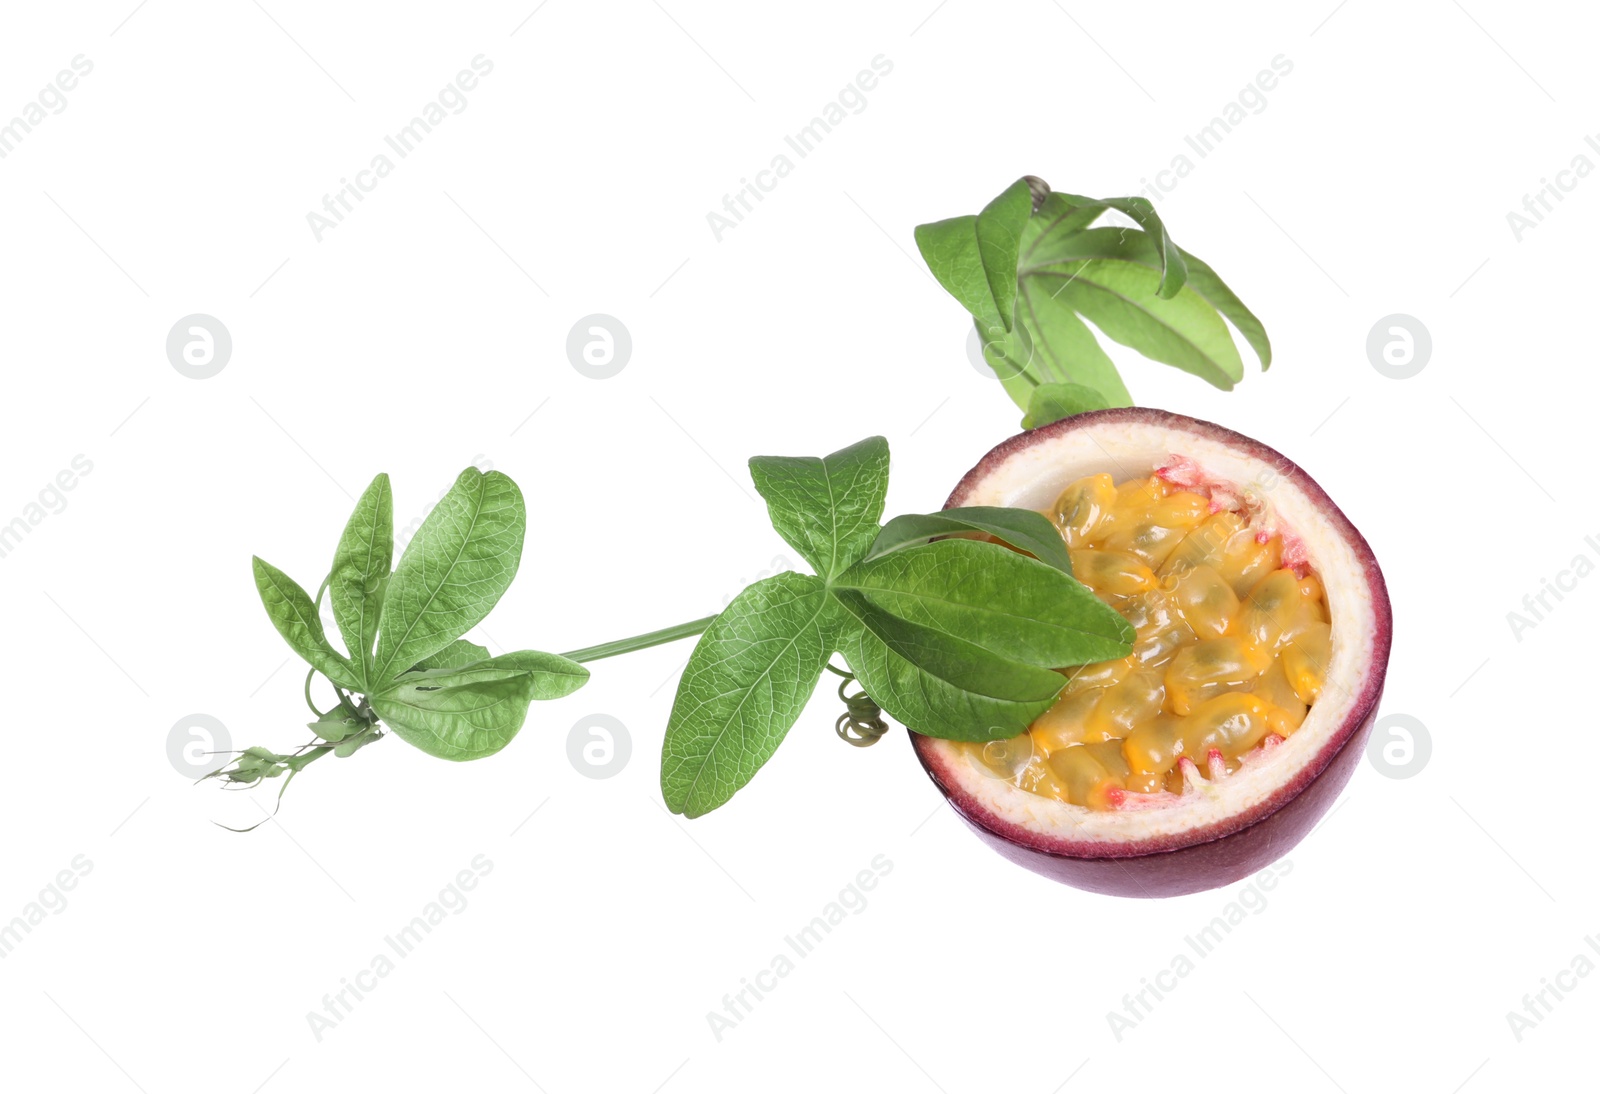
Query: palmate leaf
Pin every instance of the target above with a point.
(1136, 285)
(439, 692)
(955, 637)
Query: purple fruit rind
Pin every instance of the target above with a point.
(1239, 845)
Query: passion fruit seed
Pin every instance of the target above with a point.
(1083, 507)
(1114, 573)
(1232, 648)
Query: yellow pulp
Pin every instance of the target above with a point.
(1232, 647)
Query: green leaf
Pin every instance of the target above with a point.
(1058, 215)
(292, 612)
(361, 571)
(557, 675)
(452, 572)
(999, 233)
(351, 745)
(747, 681)
(1174, 271)
(1171, 312)
(336, 727)
(1052, 345)
(827, 509)
(454, 656)
(1204, 280)
(975, 258)
(1119, 297)
(940, 685)
(1052, 402)
(473, 711)
(950, 248)
(1140, 249)
(996, 599)
(1022, 528)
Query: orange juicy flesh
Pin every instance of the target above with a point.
(1232, 646)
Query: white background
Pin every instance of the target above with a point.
(422, 333)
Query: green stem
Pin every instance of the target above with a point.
(320, 714)
(299, 763)
(641, 641)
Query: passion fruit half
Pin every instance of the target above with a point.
(1263, 639)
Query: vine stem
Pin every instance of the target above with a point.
(304, 760)
(641, 641)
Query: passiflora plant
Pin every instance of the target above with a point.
(958, 623)
(959, 636)
(1036, 267)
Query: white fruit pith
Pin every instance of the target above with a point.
(1203, 792)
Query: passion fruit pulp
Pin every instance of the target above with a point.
(1264, 632)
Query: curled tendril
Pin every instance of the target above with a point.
(862, 722)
